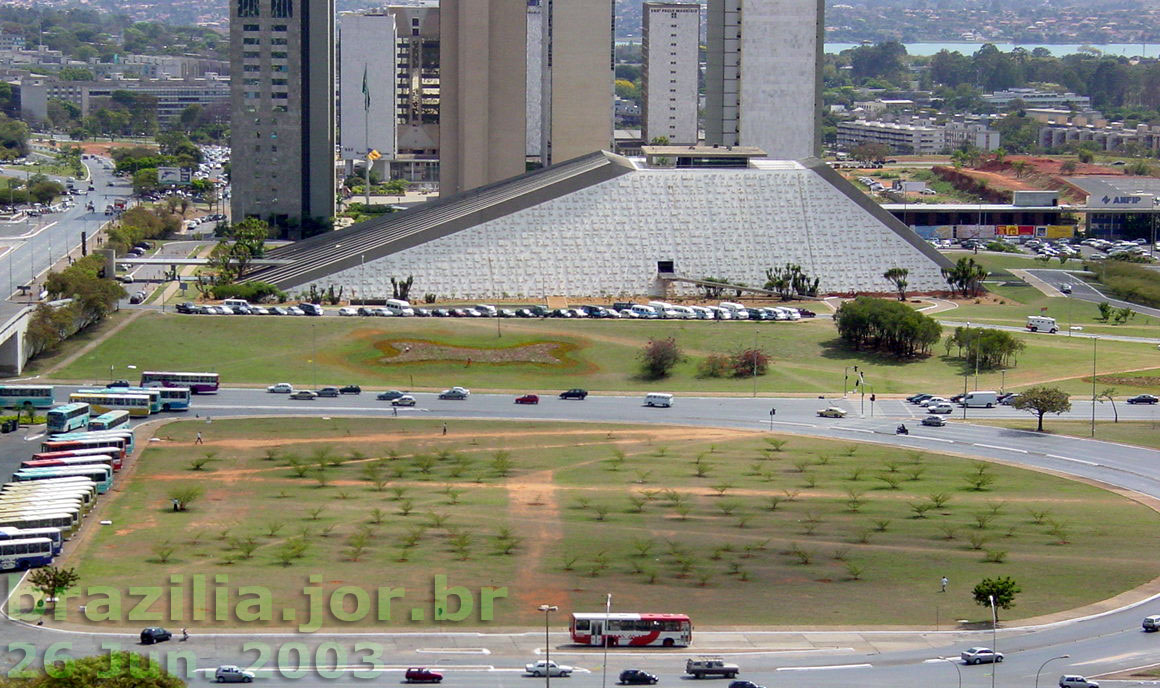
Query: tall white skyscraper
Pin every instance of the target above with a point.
(366, 89)
(671, 32)
(763, 80)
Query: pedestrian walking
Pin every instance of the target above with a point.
(944, 582)
(395, 411)
(445, 428)
(198, 440)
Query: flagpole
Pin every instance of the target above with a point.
(367, 134)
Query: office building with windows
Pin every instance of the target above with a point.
(282, 103)
(671, 53)
(416, 92)
(366, 78)
(763, 79)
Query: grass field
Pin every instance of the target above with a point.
(734, 528)
(527, 355)
(1140, 433)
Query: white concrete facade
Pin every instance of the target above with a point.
(607, 238)
(763, 75)
(671, 51)
(366, 58)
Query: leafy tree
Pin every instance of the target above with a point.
(750, 363)
(1105, 310)
(898, 277)
(790, 281)
(52, 581)
(232, 259)
(658, 358)
(985, 348)
(185, 495)
(1002, 590)
(871, 152)
(1041, 401)
(75, 74)
(888, 326)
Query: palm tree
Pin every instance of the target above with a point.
(898, 277)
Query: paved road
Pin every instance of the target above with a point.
(1085, 292)
(874, 658)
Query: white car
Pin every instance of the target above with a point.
(281, 388)
(347, 311)
(934, 401)
(405, 400)
(832, 412)
(981, 655)
(542, 667)
(1076, 681)
(941, 407)
(295, 310)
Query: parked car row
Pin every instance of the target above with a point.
(975, 399)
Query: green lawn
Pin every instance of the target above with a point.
(518, 355)
(732, 527)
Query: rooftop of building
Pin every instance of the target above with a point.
(704, 151)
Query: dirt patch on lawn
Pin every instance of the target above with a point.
(555, 354)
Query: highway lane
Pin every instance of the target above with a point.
(1086, 292)
(781, 658)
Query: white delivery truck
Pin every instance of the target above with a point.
(980, 400)
(1040, 323)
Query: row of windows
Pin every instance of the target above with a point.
(257, 27)
(279, 9)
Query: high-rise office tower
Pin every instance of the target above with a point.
(535, 80)
(671, 52)
(417, 91)
(282, 127)
(577, 85)
(366, 78)
(482, 133)
(763, 79)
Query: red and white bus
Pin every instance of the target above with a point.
(636, 630)
(73, 461)
(113, 444)
(88, 451)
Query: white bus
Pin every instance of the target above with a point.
(26, 553)
(53, 534)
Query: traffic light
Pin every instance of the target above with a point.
(871, 398)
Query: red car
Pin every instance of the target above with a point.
(422, 675)
(528, 399)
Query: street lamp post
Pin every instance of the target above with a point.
(607, 615)
(955, 664)
(994, 638)
(547, 609)
(1045, 664)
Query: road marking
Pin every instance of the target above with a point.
(455, 650)
(930, 439)
(736, 653)
(37, 436)
(1001, 448)
(786, 422)
(826, 668)
(1068, 458)
(868, 432)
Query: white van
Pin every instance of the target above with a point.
(237, 305)
(1039, 323)
(491, 311)
(737, 310)
(684, 312)
(980, 400)
(659, 399)
(701, 312)
(399, 307)
(647, 312)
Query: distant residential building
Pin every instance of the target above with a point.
(282, 126)
(917, 139)
(10, 41)
(671, 54)
(1035, 98)
(172, 95)
(366, 86)
(1094, 118)
(975, 134)
(1114, 136)
(168, 66)
(775, 102)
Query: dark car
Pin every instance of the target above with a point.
(422, 675)
(350, 389)
(441, 313)
(574, 394)
(187, 307)
(934, 421)
(389, 395)
(744, 684)
(328, 392)
(1143, 399)
(119, 383)
(806, 313)
(914, 398)
(637, 677)
(366, 312)
(528, 399)
(154, 634)
(137, 297)
(452, 394)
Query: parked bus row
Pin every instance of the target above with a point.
(38, 515)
